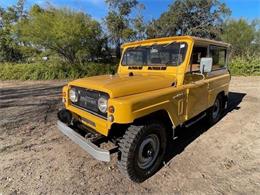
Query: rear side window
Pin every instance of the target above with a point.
(218, 55)
(197, 53)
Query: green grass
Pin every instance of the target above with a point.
(45, 71)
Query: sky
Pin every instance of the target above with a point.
(247, 9)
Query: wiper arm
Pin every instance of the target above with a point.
(168, 63)
(152, 45)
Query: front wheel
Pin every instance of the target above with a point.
(142, 149)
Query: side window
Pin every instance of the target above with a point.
(218, 55)
(198, 52)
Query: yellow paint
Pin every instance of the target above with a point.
(153, 90)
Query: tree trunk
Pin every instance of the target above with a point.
(118, 49)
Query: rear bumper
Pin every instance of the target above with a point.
(85, 144)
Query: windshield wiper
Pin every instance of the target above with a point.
(152, 45)
(168, 63)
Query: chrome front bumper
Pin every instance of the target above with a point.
(86, 144)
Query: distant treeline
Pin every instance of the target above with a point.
(51, 43)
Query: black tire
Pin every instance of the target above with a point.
(136, 160)
(215, 112)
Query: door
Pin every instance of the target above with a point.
(197, 100)
(197, 86)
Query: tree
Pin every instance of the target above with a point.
(10, 48)
(74, 36)
(241, 35)
(139, 25)
(118, 22)
(202, 18)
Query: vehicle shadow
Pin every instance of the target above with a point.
(185, 136)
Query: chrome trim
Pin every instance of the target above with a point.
(85, 144)
(89, 111)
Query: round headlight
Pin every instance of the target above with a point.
(74, 97)
(102, 104)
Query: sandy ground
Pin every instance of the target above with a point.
(35, 158)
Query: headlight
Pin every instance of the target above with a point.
(102, 104)
(74, 97)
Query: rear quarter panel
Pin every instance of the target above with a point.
(218, 81)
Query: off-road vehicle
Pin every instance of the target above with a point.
(160, 84)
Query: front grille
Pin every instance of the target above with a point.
(88, 100)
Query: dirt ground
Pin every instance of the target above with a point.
(35, 158)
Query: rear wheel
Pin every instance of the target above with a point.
(142, 149)
(215, 112)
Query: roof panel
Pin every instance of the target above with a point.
(195, 39)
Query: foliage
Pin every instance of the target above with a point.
(9, 42)
(245, 65)
(120, 26)
(47, 71)
(74, 36)
(139, 25)
(249, 65)
(201, 18)
(58, 43)
(242, 35)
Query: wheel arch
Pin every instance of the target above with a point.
(221, 93)
(161, 115)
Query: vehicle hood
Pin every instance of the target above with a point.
(123, 85)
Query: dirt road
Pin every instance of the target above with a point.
(35, 158)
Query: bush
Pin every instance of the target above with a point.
(246, 65)
(46, 71)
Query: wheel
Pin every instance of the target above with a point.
(141, 150)
(215, 112)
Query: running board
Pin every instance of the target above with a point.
(194, 121)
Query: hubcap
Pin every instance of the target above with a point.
(216, 109)
(148, 151)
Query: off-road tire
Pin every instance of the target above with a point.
(215, 112)
(129, 150)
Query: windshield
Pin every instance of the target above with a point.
(171, 54)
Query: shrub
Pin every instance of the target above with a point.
(46, 71)
(246, 65)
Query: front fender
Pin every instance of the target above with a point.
(130, 108)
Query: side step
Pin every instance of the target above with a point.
(193, 121)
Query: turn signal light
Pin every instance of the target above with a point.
(111, 109)
(110, 118)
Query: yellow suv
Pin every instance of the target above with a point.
(160, 84)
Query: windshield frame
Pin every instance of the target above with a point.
(145, 63)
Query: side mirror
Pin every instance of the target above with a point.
(206, 65)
